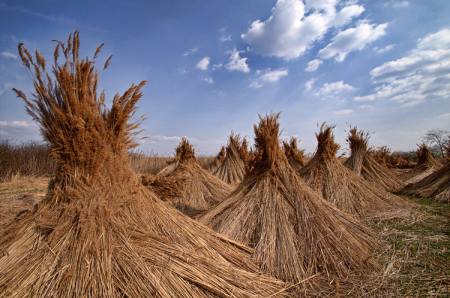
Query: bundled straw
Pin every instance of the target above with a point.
(232, 169)
(295, 233)
(99, 233)
(293, 154)
(365, 166)
(189, 187)
(425, 166)
(217, 160)
(436, 185)
(341, 186)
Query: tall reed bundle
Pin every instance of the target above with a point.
(341, 186)
(189, 187)
(217, 160)
(365, 166)
(425, 166)
(295, 233)
(436, 185)
(294, 155)
(98, 232)
(243, 150)
(232, 169)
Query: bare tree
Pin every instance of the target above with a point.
(437, 137)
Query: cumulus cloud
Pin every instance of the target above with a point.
(203, 64)
(294, 26)
(269, 76)
(313, 65)
(343, 112)
(352, 39)
(333, 88)
(9, 55)
(237, 63)
(208, 80)
(191, 51)
(424, 74)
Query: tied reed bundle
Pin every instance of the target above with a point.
(295, 233)
(189, 187)
(294, 155)
(217, 160)
(98, 232)
(436, 185)
(341, 186)
(232, 169)
(365, 166)
(426, 165)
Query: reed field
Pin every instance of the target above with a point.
(86, 214)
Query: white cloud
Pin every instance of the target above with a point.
(225, 38)
(16, 124)
(365, 107)
(401, 4)
(9, 55)
(294, 26)
(203, 64)
(208, 80)
(385, 49)
(182, 70)
(269, 76)
(217, 66)
(165, 138)
(237, 63)
(352, 39)
(446, 115)
(424, 74)
(333, 88)
(191, 51)
(343, 112)
(309, 84)
(313, 65)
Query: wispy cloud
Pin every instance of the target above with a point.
(309, 84)
(269, 76)
(424, 74)
(203, 64)
(225, 38)
(352, 39)
(343, 112)
(333, 88)
(191, 51)
(401, 4)
(313, 65)
(208, 80)
(9, 55)
(16, 124)
(385, 49)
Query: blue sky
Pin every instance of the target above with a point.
(213, 66)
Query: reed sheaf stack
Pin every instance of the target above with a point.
(294, 155)
(99, 232)
(436, 185)
(232, 168)
(217, 160)
(341, 186)
(189, 187)
(365, 166)
(295, 233)
(426, 165)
